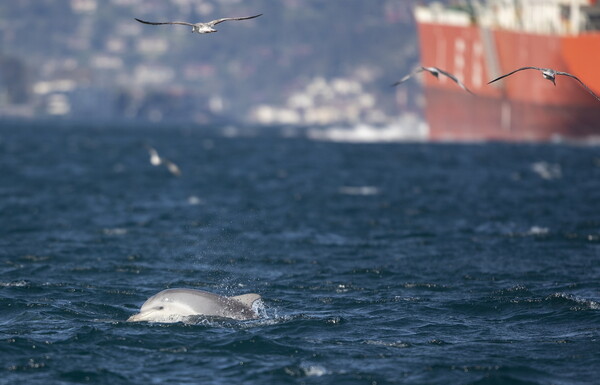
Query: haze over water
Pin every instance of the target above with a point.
(378, 263)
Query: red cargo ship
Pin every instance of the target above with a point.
(480, 41)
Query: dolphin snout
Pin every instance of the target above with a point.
(136, 318)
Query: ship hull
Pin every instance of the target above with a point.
(458, 116)
(524, 107)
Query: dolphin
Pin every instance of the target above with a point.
(172, 305)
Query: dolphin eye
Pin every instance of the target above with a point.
(161, 308)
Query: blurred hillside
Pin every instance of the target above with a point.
(302, 62)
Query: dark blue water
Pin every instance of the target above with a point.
(377, 263)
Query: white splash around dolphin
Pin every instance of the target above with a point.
(175, 305)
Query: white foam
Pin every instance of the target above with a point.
(537, 230)
(408, 128)
(394, 344)
(585, 303)
(193, 200)
(14, 284)
(359, 190)
(258, 307)
(115, 231)
(314, 371)
(548, 171)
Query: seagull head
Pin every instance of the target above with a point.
(550, 76)
(433, 70)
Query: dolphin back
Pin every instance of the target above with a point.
(247, 299)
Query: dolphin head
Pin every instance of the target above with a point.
(163, 307)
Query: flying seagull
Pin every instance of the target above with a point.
(172, 167)
(435, 72)
(201, 27)
(550, 74)
(157, 160)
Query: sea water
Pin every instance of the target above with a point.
(397, 263)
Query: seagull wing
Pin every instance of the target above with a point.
(149, 148)
(580, 82)
(155, 159)
(455, 79)
(215, 22)
(173, 168)
(169, 22)
(405, 78)
(517, 70)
